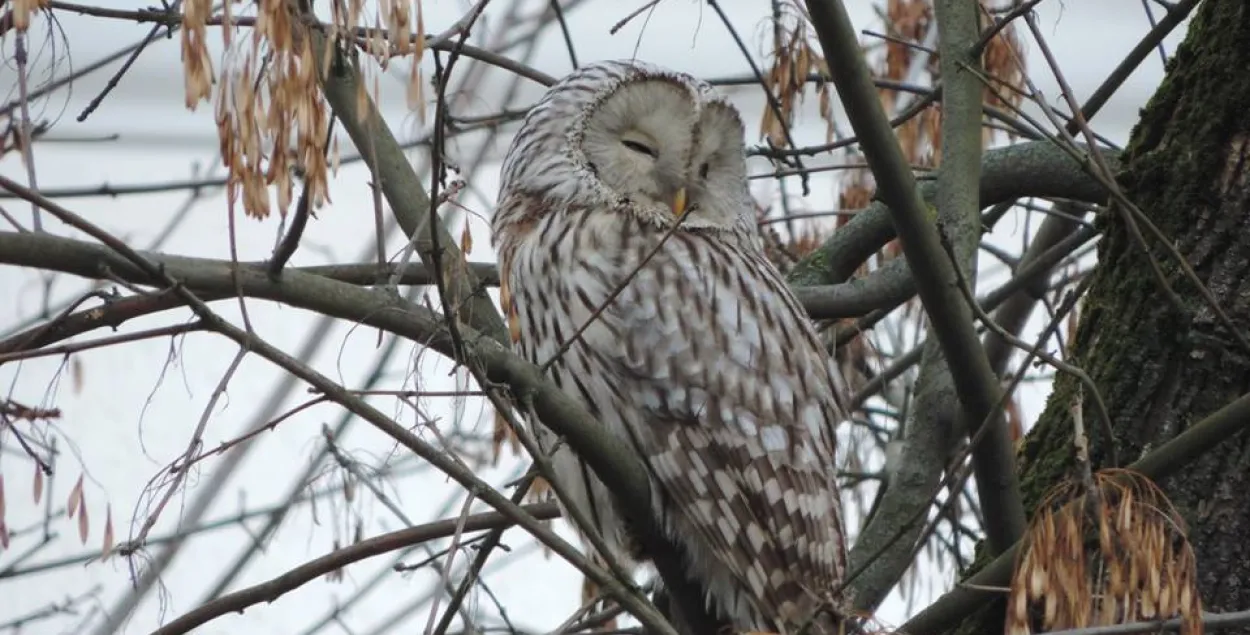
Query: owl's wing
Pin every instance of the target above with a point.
(739, 404)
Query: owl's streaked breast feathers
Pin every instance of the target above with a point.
(704, 363)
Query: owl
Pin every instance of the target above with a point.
(632, 268)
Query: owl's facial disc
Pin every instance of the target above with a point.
(638, 142)
(654, 142)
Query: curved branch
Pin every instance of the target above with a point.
(931, 428)
(1033, 169)
(950, 317)
(882, 290)
(271, 590)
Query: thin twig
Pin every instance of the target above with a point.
(294, 578)
(130, 60)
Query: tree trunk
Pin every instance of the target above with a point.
(1160, 361)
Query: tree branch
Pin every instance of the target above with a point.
(402, 188)
(292, 579)
(949, 314)
(929, 433)
(885, 289)
(1034, 169)
(993, 460)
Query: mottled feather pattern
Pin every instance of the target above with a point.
(704, 364)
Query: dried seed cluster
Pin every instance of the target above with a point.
(794, 60)
(920, 137)
(1113, 556)
(272, 119)
(23, 9)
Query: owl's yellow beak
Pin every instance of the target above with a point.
(679, 202)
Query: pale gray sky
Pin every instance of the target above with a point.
(133, 413)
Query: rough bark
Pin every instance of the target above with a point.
(1161, 366)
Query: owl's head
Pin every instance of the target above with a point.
(633, 136)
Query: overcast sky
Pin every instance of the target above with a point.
(132, 413)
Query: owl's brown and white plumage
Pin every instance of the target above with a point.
(629, 177)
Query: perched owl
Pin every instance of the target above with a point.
(624, 216)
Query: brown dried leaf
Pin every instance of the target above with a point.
(856, 194)
(362, 101)
(106, 545)
(399, 28)
(1050, 614)
(197, 67)
(540, 489)
(802, 62)
(1148, 606)
(1124, 515)
(1035, 579)
(1018, 617)
(21, 12)
(510, 311)
(75, 498)
(420, 43)
(1015, 420)
(826, 112)
(418, 96)
(590, 590)
(1104, 531)
(83, 525)
(38, 485)
(503, 432)
(75, 373)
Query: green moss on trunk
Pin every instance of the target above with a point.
(1161, 365)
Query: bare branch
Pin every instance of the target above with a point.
(950, 317)
(1018, 171)
(293, 579)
